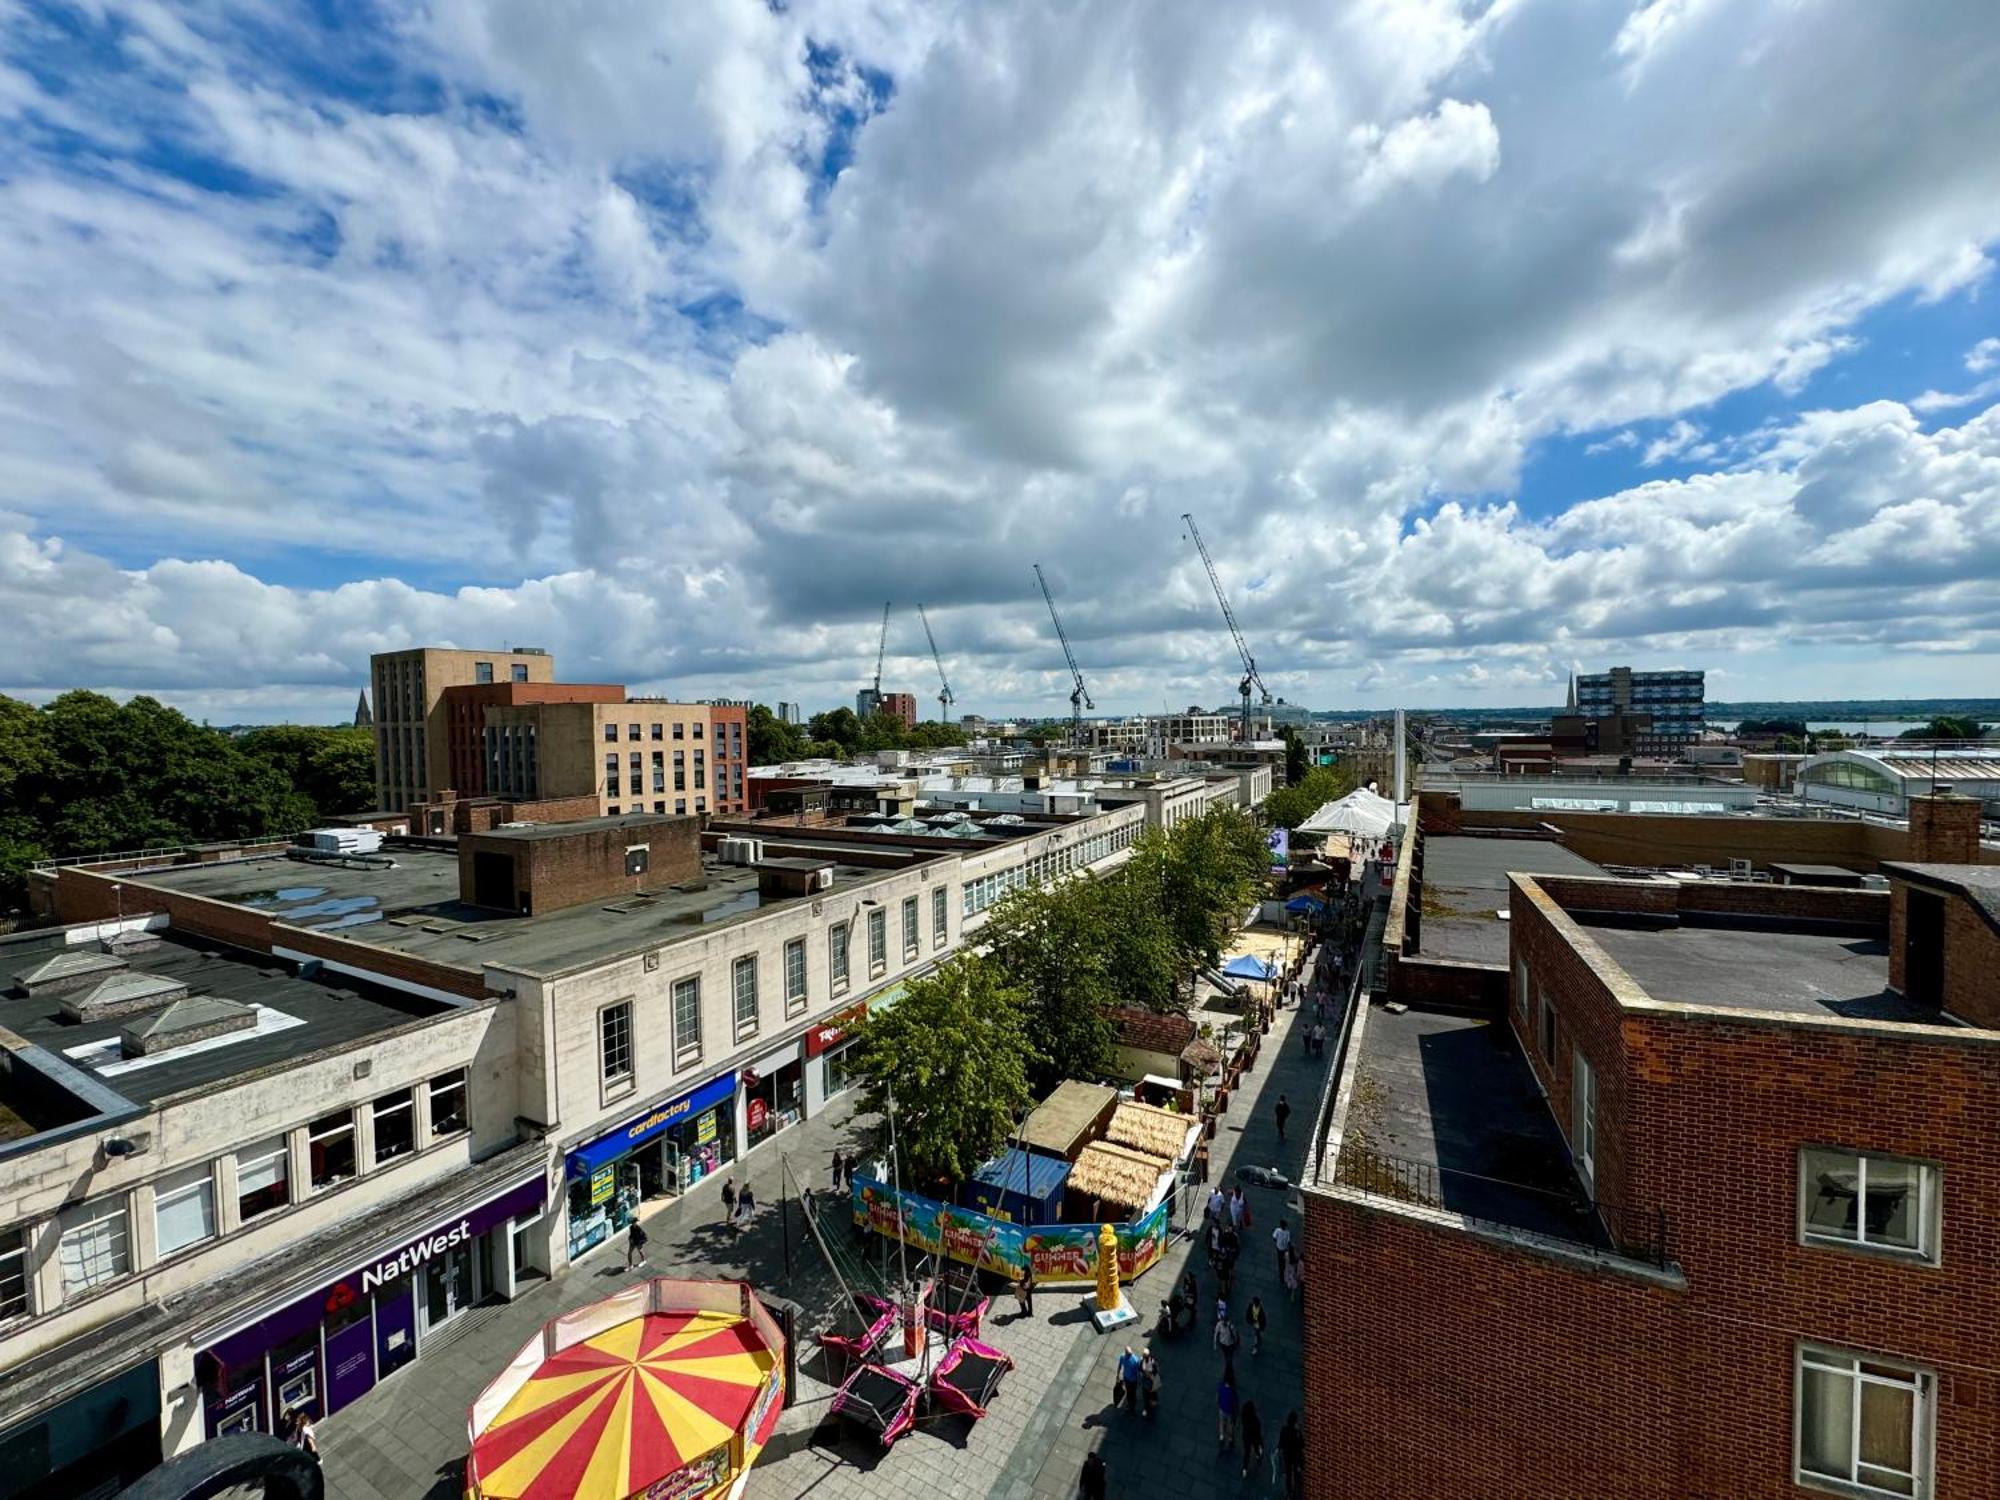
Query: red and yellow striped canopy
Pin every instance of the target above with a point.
(614, 1414)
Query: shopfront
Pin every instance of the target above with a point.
(659, 1153)
(774, 1093)
(324, 1350)
(829, 1052)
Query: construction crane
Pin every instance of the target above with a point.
(1079, 695)
(945, 696)
(870, 698)
(1250, 677)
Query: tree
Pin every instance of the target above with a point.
(1052, 944)
(935, 734)
(772, 740)
(1296, 763)
(955, 1054)
(1291, 805)
(332, 766)
(1795, 728)
(840, 725)
(1139, 947)
(1944, 727)
(1205, 871)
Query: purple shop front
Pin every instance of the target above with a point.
(329, 1347)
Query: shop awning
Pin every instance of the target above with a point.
(641, 1128)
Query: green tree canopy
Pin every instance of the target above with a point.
(1296, 761)
(773, 740)
(1204, 872)
(1052, 943)
(1944, 727)
(955, 1053)
(332, 765)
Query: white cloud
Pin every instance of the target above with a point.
(1983, 356)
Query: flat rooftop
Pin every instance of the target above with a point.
(410, 905)
(1465, 887)
(1813, 973)
(536, 833)
(296, 1015)
(1451, 1106)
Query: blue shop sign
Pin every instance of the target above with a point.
(636, 1132)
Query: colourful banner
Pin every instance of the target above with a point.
(1061, 1254)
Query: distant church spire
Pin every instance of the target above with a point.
(363, 718)
(1569, 707)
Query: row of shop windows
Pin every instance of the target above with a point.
(96, 1244)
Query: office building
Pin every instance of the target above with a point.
(1673, 699)
(410, 738)
(630, 754)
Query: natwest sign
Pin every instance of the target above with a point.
(825, 1038)
(412, 1256)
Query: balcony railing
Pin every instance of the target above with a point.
(1636, 1233)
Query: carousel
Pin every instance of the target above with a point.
(667, 1390)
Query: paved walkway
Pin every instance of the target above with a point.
(406, 1438)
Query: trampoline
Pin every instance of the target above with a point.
(858, 1347)
(968, 1377)
(880, 1400)
(958, 1322)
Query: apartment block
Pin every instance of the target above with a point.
(1675, 701)
(411, 757)
(902, 705)
(631, 754)
(1698, 1197)
(465, 709)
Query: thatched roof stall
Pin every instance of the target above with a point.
(1114, 1182)
(1070, 1117)
(1156, 1132)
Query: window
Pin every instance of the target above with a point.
(482, 671)
(681, 805)
(697, 729)
(659, 806)
(795, 976)
(183, 1210)
(631, 731)
(679, 729)
(687, 1021)
(836, 954)
(912, 934)
(518, 671)
(878, 942)
(614, 1046)
(448, 1103)
(635, 784)
(330, 1149)
(658, 731)
(700, 803)
(1583, 1117)
(1863, 1427)
(1548, 1030)
(743, 986)
(613, 808)
(395, 1126)
(1877, 1202)
(1521, 987)
(96, 1243)
(610, 734)
(14, 1279)
(940, 917)
(263, 1179)
(680, 772)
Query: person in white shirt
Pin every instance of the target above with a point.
(1282, 1238)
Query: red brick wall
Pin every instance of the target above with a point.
(470, 983)
(1944, 830)
(1440, 1365)
(1658, 839)
(462, 711)
(1971, 986)
(1721, 898)
(588, 865)
(731, 753)
(87, 896)
(1447, 982)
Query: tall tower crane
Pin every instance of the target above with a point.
(1079, 695)
(945, 695)
(1250, 676)
(870, 698)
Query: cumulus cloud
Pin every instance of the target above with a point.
(679, 337)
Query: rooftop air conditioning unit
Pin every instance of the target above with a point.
(823, 879)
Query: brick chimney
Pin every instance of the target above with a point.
(1944, 829)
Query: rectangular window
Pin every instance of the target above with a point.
(697, 729)
(743, 986)
(681, 805)
(913, 939)
(263, 1179)
(448, 1115)
(940, 917)
(15, 1301)
(614, 1046)
(330, 1149)
(519, 671)
(635, 784)
(613, 808)
(687, 1021)
(1877, 1202)
(1864, 1428)
(631, 731)
(658, 731)
(679, 729)
(1548, 1031)
(482, 671)
(96, 1244)
(1521, 987)
(878, 942)
(1583, 1117)
(183, 1210)
(836, 955)
(395, 1126)
(795, 976)
(610, 734)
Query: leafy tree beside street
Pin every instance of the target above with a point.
(956, 1054)
(1053, 943)
(1291, 805)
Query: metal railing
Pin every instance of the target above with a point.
(163, 853)
(1636, 1233)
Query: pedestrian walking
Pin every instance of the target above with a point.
(1284, 1113)
(1251, 1426)
(1281, 1238)
(839, 1170)
(1225, 1413)
(1226, 1340)
(746, 1204)
(1024, 1290)
(1149, 1381)
(1127, 1392)
(1253, 1315)
(635, 1245)
(1090, 1483)
(1216, 1206)
(1238, 1208)
(728, 1200)
(1292, 1456)
(1191, 1294)
(1294, 1275)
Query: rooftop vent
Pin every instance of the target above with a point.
(122, 995)
(124, 944)
(76, 969)
(185, 1022)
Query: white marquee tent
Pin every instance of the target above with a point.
(1362, 812)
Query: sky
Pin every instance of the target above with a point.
(1486, 341)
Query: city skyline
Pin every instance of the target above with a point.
(466, 325)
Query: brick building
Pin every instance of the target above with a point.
(631, 754)
(410, 732)
(1699, 1199)
(902, 705)
(464, 712)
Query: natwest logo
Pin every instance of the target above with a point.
(390, 1267)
